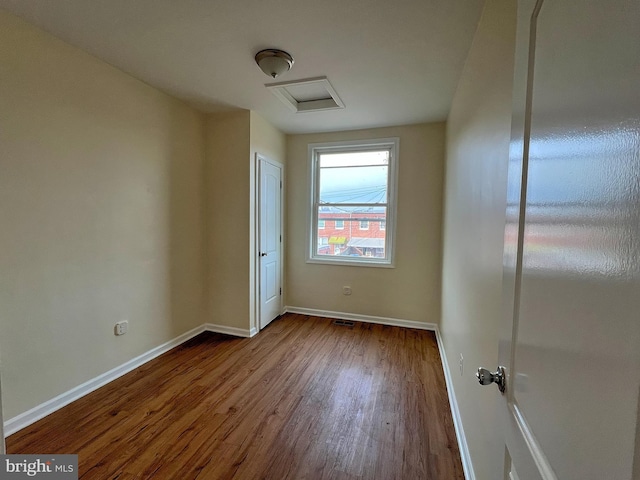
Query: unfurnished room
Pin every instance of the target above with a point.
(320, 239)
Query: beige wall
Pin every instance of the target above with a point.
(227, 176)
(411, 290)
(233, 139)
(478, 132)
(267, 140)
(101, 208)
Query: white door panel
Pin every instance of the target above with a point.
(572, 243)
(271, 281)
(270, 176)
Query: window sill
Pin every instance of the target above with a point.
(349, 263)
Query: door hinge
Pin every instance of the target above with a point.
(281, 291)
(280, 238)
(280, 183)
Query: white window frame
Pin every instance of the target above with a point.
(382, 225)
(321, 224)
(366, 222)
(335, 225)
(314, 149)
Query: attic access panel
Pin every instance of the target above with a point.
(311, 95)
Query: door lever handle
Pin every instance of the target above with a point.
(499, 377)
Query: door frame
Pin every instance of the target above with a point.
(255, 238)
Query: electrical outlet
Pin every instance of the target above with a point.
(461, 364)
(121, 327)
(346, 290)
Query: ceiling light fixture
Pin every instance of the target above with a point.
(274, 62)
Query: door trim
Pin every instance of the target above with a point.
(255, 243)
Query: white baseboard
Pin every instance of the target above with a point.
(25, 419)
(465, 456)
(394, 322)
(234, 331)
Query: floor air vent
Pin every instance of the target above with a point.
(343, 323)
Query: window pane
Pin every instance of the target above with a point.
(354, 159)
(357, 177)
(351, 240)
(353, 194)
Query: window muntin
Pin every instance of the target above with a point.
(353, 195)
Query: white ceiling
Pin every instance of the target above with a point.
(391, 62)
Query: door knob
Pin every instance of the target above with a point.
(486, 377)
(263, 254)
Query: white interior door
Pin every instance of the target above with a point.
(572, 244)
(270, 240)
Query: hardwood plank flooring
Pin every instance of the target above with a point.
(305, 399)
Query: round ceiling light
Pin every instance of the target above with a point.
(274, 62)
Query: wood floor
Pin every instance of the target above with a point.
(305, 399)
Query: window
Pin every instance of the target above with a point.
(352, 185)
